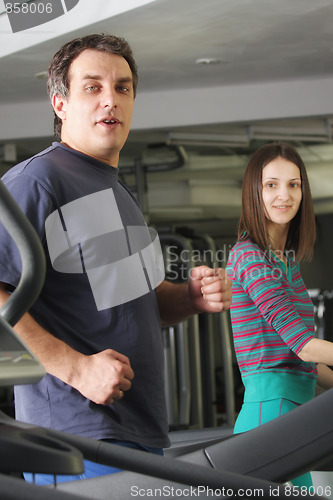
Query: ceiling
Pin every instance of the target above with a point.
(217, 78)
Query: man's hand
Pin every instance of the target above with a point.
(104, 377)
(210, 289)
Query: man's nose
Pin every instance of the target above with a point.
(109, 99)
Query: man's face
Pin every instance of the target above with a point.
(96, 115)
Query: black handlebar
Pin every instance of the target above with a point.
(32, 257)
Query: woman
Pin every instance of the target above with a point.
(272, 313)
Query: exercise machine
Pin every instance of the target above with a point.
(254, 463)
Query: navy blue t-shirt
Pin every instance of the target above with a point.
(99, 293)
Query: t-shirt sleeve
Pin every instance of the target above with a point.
(261, 281)
(36, 204)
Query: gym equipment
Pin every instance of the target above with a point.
(17, 363)
(279, 450)
(25, 451)
(191, 347)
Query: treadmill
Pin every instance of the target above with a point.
(256, 463)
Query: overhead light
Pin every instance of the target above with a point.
(41, 75)
(8, 152)
(208, 60)
(209, 140)
(304, 134)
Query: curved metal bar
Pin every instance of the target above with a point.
(32, 257)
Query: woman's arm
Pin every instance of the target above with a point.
(317, 351)
(325, 376)
(261, 281)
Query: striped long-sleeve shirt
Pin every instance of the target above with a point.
(272, 314)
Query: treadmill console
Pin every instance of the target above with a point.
(18, 365)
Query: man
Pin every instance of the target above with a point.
(95, 327)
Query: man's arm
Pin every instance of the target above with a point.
(208, 290)
(100, 377)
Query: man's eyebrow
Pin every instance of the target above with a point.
(89, 76)
(124, 79)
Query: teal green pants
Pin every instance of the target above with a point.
(254, 414)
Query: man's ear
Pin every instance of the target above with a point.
(59, 106)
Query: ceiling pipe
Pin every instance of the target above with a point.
(159, 167)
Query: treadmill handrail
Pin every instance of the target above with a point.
(162, 467)
(32, 258)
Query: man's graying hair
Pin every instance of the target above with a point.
(58, 73)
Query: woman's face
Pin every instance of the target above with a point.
(281, 190)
